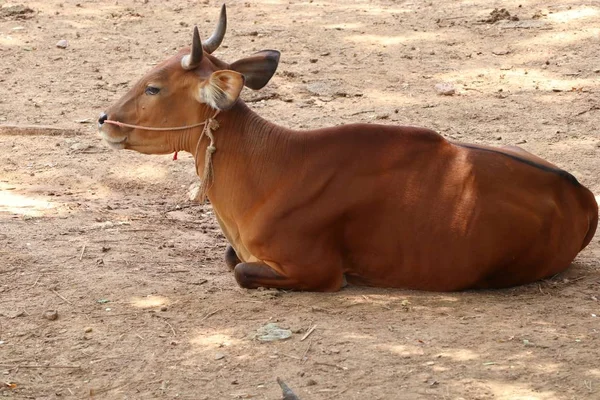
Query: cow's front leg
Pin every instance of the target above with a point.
(253, 275)
(231, 257)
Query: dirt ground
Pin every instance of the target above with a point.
(145, 306)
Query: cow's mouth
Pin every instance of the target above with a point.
(115, 143)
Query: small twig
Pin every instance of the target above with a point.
(39, 366)
(210, 314)
(109, 358)
(94, 392)
(311, 330)
(117, 314)
(594, 107)
(336, 394)
(171, 326)
(36, 281)
(61, 296)
(8, 270)
(306, 351)
(82, 250)
(332, 365)
(540, 287)
(362, 112)
(291, 356)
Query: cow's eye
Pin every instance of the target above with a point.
(152, 90)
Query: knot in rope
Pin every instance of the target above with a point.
(210, 125)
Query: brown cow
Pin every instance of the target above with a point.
(388, 206)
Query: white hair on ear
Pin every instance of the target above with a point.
(213, 95)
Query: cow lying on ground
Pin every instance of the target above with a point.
(388, 206)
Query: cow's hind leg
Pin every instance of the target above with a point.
(231, 257)
(255, 275)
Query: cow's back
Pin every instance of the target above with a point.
(442, 216)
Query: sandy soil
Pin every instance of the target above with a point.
(145, 306)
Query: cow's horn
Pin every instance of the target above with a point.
(193, 59)
(214, 41)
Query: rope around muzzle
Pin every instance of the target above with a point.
(210, 125)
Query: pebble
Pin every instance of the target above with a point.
(80, 146)
(62, 44)
(445, 89)
(500, 52)
(163, 308)
(87, 329)
(51, 315)
(219, 356)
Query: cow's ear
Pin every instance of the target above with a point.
(258, 69)
(222, 89)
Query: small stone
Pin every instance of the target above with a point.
(219, 356)
(430, 363)
(51, 315)
(88, 329)
(15, 314)
(62, 44)
(500, 52)
(445, 89)
(80, 146)
(311, 382)
(163, 308)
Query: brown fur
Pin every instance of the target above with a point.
(385, 206)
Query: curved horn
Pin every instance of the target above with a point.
(214, 41)
(193, 59)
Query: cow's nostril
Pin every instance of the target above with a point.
(103, 117)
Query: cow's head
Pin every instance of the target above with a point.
(183, 90)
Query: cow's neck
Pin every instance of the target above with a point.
(251, 155)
